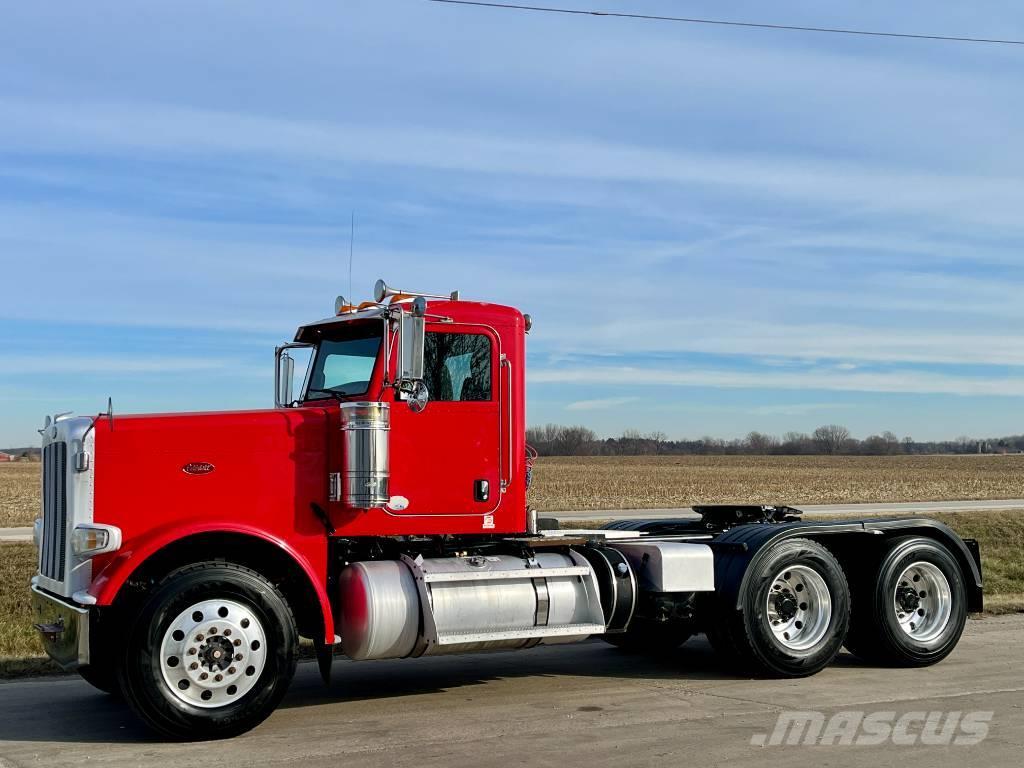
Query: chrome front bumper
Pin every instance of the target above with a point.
(64, 628)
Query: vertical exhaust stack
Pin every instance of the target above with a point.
(365, 453)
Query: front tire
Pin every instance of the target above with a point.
(910, 610)
(795, 612)
(211, 653)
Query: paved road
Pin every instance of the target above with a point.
(552, 706)
(914, 508)
(15, 534)
(924, 507)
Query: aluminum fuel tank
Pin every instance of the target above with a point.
(392, 608)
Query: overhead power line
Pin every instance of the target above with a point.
(723, 23)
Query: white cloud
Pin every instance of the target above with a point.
(64, 364)
(889, 342)
(797, 409)
(911, 382)
(178, 131)
(599, 404)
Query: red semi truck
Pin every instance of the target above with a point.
(381, 510)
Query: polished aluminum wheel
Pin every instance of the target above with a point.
(923, 601)
(213, 653)
(799, 607)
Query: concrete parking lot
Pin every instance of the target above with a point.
(558, 706)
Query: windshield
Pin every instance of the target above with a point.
(344, 366)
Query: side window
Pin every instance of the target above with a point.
(457, 367)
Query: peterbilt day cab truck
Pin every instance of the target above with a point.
(381, 510)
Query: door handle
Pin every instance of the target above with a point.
(481, 490)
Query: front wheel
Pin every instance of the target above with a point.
(912, 608)
(211, 653)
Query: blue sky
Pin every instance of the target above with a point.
(715, 229)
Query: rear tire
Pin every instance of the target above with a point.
(910, 610)
(211, 653)
(795, 612)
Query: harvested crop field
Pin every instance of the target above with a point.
(632, 482)
(19, 493)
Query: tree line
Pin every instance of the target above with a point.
(828, 440)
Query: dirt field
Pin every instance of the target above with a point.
(17, 637)
(19, 493)
(564, 483)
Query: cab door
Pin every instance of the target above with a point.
(446, 460)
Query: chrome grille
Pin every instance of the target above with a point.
(52, 558)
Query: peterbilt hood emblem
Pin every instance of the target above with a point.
(198, 468)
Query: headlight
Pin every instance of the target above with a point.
(89, 540)
(37, 531)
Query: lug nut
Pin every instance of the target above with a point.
(203, 676)
(231, 670)
(238, 657)
(218, 678)
(194, 665)
(199, 638)
(237, 641)
(191, 651)
(213, 630)
(227, 632)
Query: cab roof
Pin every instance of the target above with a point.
(457, 311)
(313, 332)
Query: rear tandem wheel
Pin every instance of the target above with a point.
(794, 612)
(910, 608)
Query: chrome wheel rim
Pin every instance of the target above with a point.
(213, 653)
(799, 607)
(923, 601)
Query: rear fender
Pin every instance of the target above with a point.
(739, 548)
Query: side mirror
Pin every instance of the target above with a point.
(412, 339)
(412, 345)
(284, 372)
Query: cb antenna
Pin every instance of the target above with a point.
(351, 243)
